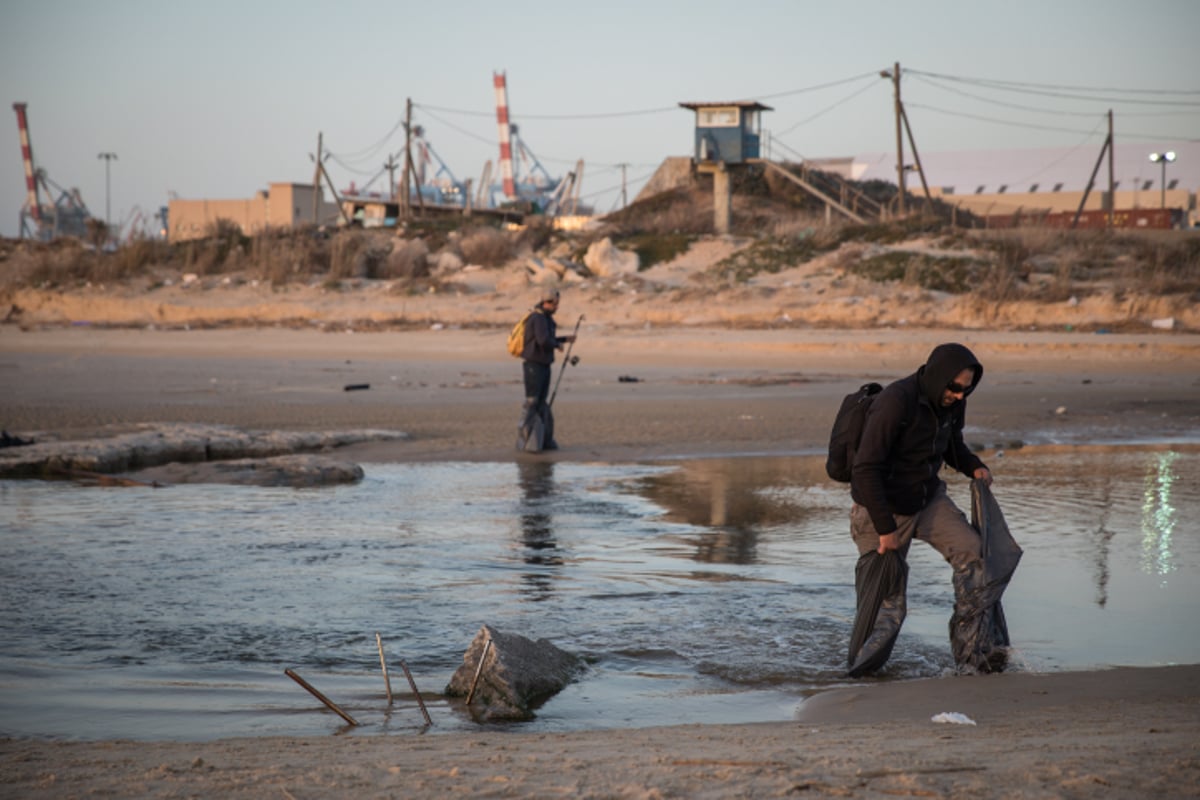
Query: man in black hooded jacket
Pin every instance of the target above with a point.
(912, 428)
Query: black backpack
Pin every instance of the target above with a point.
(847, 431)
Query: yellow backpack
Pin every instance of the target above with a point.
(516, 337)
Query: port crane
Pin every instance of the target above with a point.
(536, 187)
(442, 187)
(67, 215)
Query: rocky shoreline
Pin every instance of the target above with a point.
(157, 454)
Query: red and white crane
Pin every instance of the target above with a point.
(67, 216)
(534, 186)
(500, 81)
(31, 190)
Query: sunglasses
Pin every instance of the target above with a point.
(954, 387)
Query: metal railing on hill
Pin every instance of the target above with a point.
(833, 190)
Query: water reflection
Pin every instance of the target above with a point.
(538, 488)
(702, 591)
(733, 501)
(1158, 514)
(1104, 537)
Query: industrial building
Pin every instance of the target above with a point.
(1000, 186)
(282, 205)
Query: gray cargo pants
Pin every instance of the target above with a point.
(946, 528)
(940, 523)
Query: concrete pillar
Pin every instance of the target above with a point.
(722, 200)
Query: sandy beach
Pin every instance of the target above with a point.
(642, 393)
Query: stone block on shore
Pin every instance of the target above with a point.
(517, 674)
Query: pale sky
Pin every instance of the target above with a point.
(217, 99)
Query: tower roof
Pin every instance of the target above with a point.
(752, 105)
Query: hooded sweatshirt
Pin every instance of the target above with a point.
(541, 336)
(908, 435)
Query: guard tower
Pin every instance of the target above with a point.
(727, 136)
(727, 132)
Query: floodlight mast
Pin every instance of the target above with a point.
(1163, 159)
(108, 159)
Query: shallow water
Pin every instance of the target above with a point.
(716, 590)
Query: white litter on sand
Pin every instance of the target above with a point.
(953, 717)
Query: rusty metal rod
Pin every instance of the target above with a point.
(417, 694)
(479, 670)
(311, 690)
(383, 663)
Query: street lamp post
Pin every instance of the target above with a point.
(1164, 159)
(108, 159)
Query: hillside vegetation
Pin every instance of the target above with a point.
(781, 245)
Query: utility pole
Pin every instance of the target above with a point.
(1108, 143)
(320, 173)
(895, 76)
(916, 156)
(317, 181)
(390, 166)
(1112, 187)
(108, 159)
(624, 197)
(405, 204)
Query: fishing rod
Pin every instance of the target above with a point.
(567, 359)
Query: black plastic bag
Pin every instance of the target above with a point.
(881, 583)
(978, 631)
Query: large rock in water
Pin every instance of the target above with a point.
(518, 674)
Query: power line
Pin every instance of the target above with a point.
(982, 118)
(1052, 90)
(1139, 134)
(874, 82)
(606, 115)
(452, 126)
(346, 166)
(930, 82)
(371, 150)
(1018, 106)
(871, 74)
(792, 150)
(491, 142)
(996, 82)
(1067, 154)
(617, 187)
(644, 111)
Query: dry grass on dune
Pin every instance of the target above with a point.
(778, 231)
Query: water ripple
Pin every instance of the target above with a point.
(693, 579)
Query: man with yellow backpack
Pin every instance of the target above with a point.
(538, 336)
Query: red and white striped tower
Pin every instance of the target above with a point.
(506, 162)
(31, 191)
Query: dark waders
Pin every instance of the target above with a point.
(536, 431)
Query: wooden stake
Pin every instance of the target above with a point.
(479, 670)
(311, 690)
(382, 663)
(413, 685)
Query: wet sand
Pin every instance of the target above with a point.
(1120, 732)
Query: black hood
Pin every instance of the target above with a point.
(943, 366)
